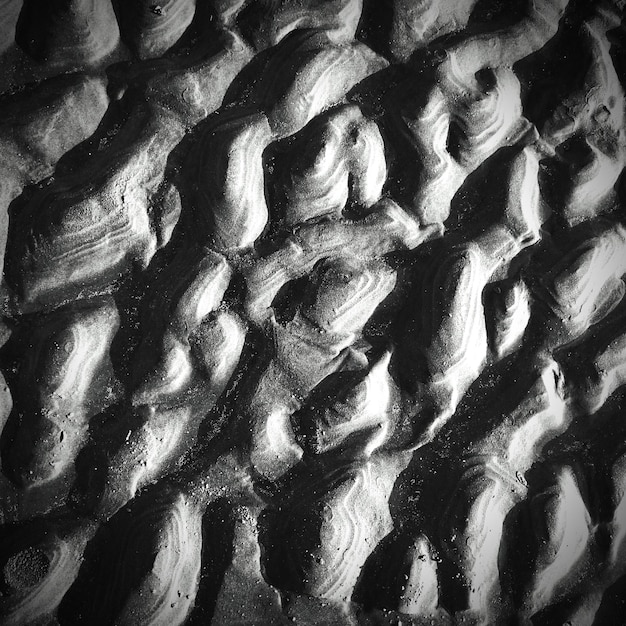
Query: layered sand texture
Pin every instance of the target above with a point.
(312, 312)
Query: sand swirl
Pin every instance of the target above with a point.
(342, 528)
(305, 75)
(360, 417)
(565, 540)
(337, 158)
(586, 129)
(162, 425)
(152, 565)
(151, 29)
(193, 86)
(269, 24)
(385, 229)
(493, 482)
(64, 251)
(511, 313)
(64, 383)
(586, 285)
(453, 135)
(40, 125)
(231, 184)
(40, 562)
(308, 349)
(31, 137)
(68, 35)
(453, 338)
(346, 294)
(503, 47)
(196, 294)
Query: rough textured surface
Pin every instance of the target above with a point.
(312, 312)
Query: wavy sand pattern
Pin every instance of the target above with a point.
(312, 312)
